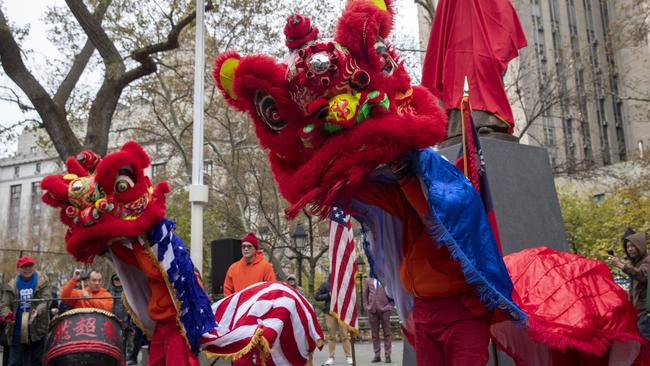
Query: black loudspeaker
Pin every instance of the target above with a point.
(224, 253)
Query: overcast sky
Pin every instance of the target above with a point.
(24, 12)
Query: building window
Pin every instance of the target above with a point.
(598, 198)
(17, 171)
(207, 167)
(538, 41)
(549, 133)
(604, 137)
(157, 170)
(37, 169)
(36, 211)
(552, 156)
(569, 137)
(14, 211)
(33, 149)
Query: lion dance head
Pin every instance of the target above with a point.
(334, 109)
(105, 198)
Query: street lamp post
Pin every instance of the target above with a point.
(299, 237)
(361, 274)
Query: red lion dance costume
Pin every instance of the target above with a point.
(344, 127)
(110, 207)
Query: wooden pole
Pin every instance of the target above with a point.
(354, 357)
(494, 352)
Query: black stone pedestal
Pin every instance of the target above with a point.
(525, 203)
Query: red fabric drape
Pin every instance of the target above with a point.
(477, 39)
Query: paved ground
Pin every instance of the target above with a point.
(363, 353)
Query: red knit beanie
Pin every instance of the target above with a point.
(250, 237)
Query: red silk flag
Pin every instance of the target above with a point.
(477, 39)
(343, 269)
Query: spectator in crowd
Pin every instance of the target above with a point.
(291, 281)
(3, 337)
(118, 307)
(91, 296)
(252, 268)
(323, 294)
(54, 304)
(27, 320)
(378, 308)
(136, 341)
(636, 266)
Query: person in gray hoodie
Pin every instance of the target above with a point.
(636, 267)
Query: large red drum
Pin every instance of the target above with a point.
(84, 337)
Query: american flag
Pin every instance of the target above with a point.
(343, 269)
(269, 319)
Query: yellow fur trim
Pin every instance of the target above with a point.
(379, 3)
(227, 75)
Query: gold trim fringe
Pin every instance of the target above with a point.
(352, 329)
(257, 341)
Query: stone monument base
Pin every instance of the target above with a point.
(525, 204)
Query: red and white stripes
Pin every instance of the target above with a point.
(343, 269)
(265, 317)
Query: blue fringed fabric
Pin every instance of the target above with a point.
(457, 220)
(195, 310)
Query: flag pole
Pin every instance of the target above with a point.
(462, 126)
(197, 190)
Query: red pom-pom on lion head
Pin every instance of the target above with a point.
(336, 109)
(103, 199)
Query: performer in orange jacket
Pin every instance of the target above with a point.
(252, 268)
(94, 295)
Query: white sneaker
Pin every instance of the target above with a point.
(330, 361)
(349, 360)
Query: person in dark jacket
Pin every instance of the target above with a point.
(636, 267)
(27, 320)
(323, 294)
(3, 338)
(119, 310)
(116, 291)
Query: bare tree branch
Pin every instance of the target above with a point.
(143, 55)
(80, 62)
(96, 34)
(54, 117)
(16, 99)
(427, 5)
(18, 124)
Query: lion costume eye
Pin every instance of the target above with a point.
(388, 64)
(268, 112)
(125, 180)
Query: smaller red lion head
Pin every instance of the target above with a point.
(103, 199)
